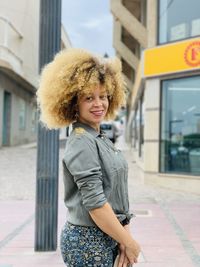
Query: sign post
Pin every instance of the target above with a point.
(48, 141)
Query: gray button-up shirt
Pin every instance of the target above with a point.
(95, 172)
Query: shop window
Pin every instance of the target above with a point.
(180, 126)
(178, 20)
(22, 114)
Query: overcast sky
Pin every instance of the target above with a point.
(89, 24)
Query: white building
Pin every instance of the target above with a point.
(19, 56)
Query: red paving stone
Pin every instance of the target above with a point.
(157, 234)
(161, 247)
(19, 251)
(160, 244)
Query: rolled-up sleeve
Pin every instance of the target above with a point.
(81, 159)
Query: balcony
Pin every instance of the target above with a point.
(10, 46)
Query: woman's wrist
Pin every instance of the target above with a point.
(127, 238)
(130, 243)
(127, 227)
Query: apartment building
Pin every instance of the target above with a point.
(158, 42)
(19, 74)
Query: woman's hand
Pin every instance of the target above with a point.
(132, 251)
(123, 260)
(107, 221)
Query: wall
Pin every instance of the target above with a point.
(151, 125)
(1, 114)
(21, 136)
(24, 15)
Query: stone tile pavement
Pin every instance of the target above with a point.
(167, 223)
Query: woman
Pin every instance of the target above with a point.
(80, 88)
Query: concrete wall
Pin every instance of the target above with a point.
(152, 22)
(175, 182)
(1, 114)
(24, 15)
(151, 124)
(20, 54)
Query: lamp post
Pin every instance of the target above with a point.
(48, 141)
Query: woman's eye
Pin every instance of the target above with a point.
(89, 98)
(104, 97)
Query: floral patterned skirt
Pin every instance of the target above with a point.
(87, 246)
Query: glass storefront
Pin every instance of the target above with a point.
(178, 20)
(180, 126)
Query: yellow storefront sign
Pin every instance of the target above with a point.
(171, 58)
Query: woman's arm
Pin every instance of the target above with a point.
(106, 220)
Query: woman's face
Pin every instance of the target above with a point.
(93, 107)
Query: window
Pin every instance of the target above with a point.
(180, 126)
(178, 20)
(22, 114)
(34, 119)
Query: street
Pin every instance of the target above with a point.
(167, 223)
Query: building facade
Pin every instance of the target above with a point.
(19, 73)
(163, 124)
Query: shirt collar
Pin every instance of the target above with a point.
(88, 128)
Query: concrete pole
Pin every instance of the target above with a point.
(48, 141)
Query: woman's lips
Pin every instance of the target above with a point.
(98, 113)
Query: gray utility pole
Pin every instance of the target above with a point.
(48, 141)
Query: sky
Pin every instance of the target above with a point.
(89, 25)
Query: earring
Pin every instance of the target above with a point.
(76, 115)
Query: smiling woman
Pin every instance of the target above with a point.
(72, 75)
(84, 89)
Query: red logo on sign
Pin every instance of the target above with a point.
(192, 54)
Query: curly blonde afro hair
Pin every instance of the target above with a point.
(72, 73)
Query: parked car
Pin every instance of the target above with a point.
(110, 130)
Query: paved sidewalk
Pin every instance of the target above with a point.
(167, 223)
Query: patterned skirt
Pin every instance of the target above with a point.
(87, 246)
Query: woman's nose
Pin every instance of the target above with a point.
(97, 102)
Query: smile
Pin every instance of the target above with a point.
(98, 113)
